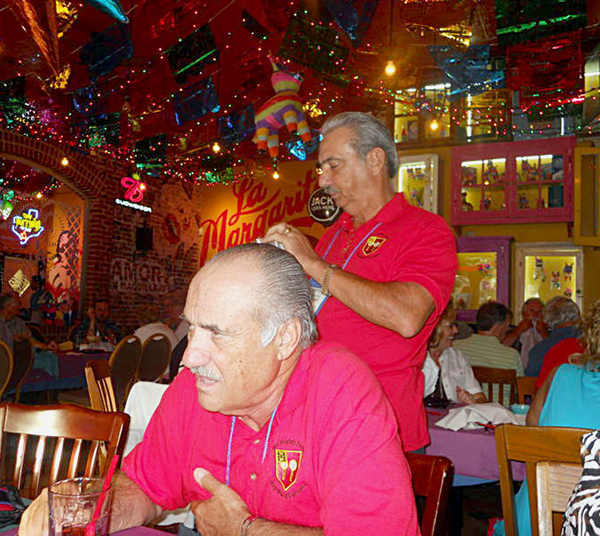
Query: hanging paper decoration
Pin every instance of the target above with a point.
(107, 49)
(301, 150)
(6, 206)
(102, 129)
(352, 16)
(190, 55)
(319, 47)
(283, 108)
(469, 70)
(546, 70)
(238, 125)
(255, 28)
(66, 13)
(527, 20)
(110, 7)
(150, 154)
(195, 101)
(39, 17)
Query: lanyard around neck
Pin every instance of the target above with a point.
(230, 443)
(355, 248)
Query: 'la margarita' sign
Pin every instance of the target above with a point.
(27, 225)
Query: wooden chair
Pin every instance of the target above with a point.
(156, 353)
(124, 364)
(526, 388)
(432, 479)
(54, 426)
(500, 377)
(23, 362)
(531, 444)
(555, 483)
(6, 366)
(100, 385)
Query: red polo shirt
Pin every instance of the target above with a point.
(333, 457)
(406, 244)
(558, 355)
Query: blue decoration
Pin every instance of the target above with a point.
(301, 150)
(352, 16)
(238, 125)
(106, 50)
(469, 70)
(110, 7)
(195, 101)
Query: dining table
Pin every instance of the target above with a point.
(71, 374)
(136, 531)
(473, 452)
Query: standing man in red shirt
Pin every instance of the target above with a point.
(383, 273)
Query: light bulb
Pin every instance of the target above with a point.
(434, 125)
(64, 161)
(390, 68)
(275, 174)
(216, 147)
(39, 195)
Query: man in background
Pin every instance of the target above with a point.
(98, 325)
(383, 272)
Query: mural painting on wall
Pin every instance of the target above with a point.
(243, 212)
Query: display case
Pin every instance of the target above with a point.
(546, 270)
(516, 182)
(418, 180)
(586, 231)
(483, 274)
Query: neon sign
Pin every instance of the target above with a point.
(27, 225)
(134, 193)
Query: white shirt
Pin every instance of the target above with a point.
(456, 372)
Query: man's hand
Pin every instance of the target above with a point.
(223, 513)
(52, 345)
(299, 246)
(35, 519)
(464, 397)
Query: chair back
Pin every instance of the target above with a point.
(124, 364)
(498, 376)
(156, 353)
(23, 362)
(526, 388)
(100, 385)
(531, 444)
(55, 434)
(432, 479)
(555, 483)
(71, 333)
(6, 366)
(36, 333)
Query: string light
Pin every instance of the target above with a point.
(434, 125)
(216, 147)
(276, 174)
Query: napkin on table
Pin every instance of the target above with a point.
(467, 417)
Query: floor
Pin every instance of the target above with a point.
(479, 504)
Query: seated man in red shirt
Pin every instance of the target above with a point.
(264, 432)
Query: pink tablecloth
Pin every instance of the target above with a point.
(137, 531)
(473, 452)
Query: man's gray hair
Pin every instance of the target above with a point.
(560, 310)
(283, 288)
(369, 133)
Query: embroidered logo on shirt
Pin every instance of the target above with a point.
(372, 244)
(287, 465)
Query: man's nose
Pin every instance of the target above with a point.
(196, 353)
(324, 179)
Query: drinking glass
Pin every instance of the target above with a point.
(72, 506)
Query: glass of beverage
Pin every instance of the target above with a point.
(72, 506)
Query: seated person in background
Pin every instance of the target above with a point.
(569, 397)
(531, 330)
(39, 297)
(173, 302)
(562, 317)
(456, 379)
(559, 354)
(263, 428)
(98, 325)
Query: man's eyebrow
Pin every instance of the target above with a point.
(320, 164)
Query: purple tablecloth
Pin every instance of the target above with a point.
(70, 372)
(137, 531)
(473, 452)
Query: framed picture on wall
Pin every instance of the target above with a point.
(413, 130)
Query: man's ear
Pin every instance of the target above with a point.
(376, 160)
(288, 338)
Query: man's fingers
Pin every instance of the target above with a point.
(207, 481)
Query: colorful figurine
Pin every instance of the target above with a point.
(568, 271)
(556, 280)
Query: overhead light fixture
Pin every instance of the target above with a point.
(390, 68)
(276, 174)
(64, 162)
(434, 125)
(216, 147)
